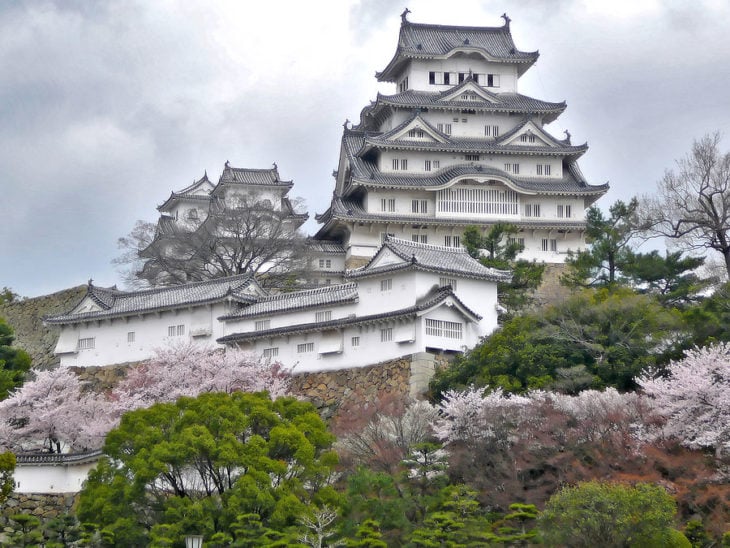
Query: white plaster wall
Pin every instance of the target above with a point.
(150, 332)
(51, 478)
(418, 70)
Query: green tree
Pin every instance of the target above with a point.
(606, 514)
(613, 334)
(609, 248)
(25, 530)
(200, 464)
(497, 248)
(7, 295)
(14, 362)
(368, 536)
(672, 278)
(7, 482)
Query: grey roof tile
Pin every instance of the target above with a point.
(429, 41)
(430, 300)
(286, 302)
(115, 303)
(247, 176)
(433, 258)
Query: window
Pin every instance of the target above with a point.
(421, 238)
(355, 342)
(427, 165)
(452, 241)
(323, 316)
(175, 330)
(87, 343)
(418, 133)
(400, 165)
(455, 120)
(419, 206)
(447, 129)
(436, 164)
(403, 85)
(305, 348)
(386, 334)
(325, 263)
(549, 245)
(471, 157)
(443, 328)
(443, 282)
(492, 80)
(484, 201)
(547, 169)
(565, 211)
(538, 169)
(386, 285)
(512, 168)
(130, 337)
(271, 352)
(440, 127)
(532, 210)
(432, 77)
(263, 325)
(543, 169)
(387, 204)
(519, 241)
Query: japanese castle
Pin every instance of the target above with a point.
(457, 145)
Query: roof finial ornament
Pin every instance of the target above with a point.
(91, 282)
(506, 19)
(226, 164)
(404, 15)
(567, 136)
(347, 121)
(275, 166)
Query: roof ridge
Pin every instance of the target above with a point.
(213, 281)
(420, 245)
(313, 291)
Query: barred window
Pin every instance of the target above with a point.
(478, 201)
(262, 325)
(355, 341)
(448, 281)
(386, 285)
(130, 336)
(87, 343)
(532, 210)
(443, 328)
(386, 334)
(175, 330)
(323, 316)
(305, 348)
(272, 352)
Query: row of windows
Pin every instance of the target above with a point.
(486, 201)
(176, 330)
(401, 164)
(453, 78)
(549, 244)
(325, 263)
(527, 138)
(542, 169)
(403, 85)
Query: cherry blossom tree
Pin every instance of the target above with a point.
(188, 370)
(56, 412)
(694, 398)
(53, 413)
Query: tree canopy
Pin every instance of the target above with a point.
(201, 464)
(14, 362)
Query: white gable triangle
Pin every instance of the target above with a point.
(418, 130)
(533, 134)
(87, 305)
(471, 91)
(385, 258)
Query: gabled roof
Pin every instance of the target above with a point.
(451, 100)
(325, 247)
(256, 177)
(429, 302)
(114, 303)
(528, 126)
(198, 191)
(419, 41)
(298, 300)
(396, 254)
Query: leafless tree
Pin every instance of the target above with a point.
(692, 206)
(234, 238)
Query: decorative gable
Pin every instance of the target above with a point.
(472, 92)
(417, 130)
(386, 257)
(530, 135)
(86, 305)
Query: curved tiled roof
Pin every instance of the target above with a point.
(431, 300)
(326, 246)
(115, 303)
(432, 258)
(298, 300)
(31, 459)
(420, 41)
(432, 100)
(247, 176)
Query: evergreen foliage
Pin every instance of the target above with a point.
(14, 362)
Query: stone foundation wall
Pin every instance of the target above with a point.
(43, 506)
(30, 334)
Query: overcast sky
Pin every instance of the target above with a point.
(105, 107)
